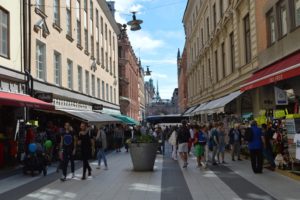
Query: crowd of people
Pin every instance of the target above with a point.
(209, 141)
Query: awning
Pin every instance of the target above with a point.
(125, 119)
(21, 100)
(218, 105)
(199, 108)
(189, 111)
(90, 116)
(281, 70)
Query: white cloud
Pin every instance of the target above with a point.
(168, 61)
(177, 34)
(144, 41)
(155, 75)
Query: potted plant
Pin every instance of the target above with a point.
(143, 150)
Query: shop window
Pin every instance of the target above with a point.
(271, 27)
(40, 60)
(4, 33)
(297, 12)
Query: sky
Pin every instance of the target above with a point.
(158, 41)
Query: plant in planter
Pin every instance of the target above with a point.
(143, 152)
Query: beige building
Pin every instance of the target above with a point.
(74, 54)
(221, 47)
(141, 86)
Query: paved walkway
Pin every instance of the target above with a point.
(169, 181)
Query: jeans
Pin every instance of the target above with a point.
(68, 156)
(101, 155)
(236, 149)
(86, 165)
(256, 160)
(215, 152)
(268, 155)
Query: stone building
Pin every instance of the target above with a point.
(129, 77)
(182, 81)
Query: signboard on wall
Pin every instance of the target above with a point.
(44, 96)
(281, 97)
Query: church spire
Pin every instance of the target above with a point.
(157, 92)
(178, 54)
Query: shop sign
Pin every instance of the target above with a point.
(97, 107)
(44, 96)
(281, 97)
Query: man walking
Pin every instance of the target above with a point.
(183, 138)
(235, 141)
(255, 147)
(101, 145)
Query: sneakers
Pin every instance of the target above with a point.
(63, 178)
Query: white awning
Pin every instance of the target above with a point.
(90, 116)
(218, 105)
(199, 108)
(189, 111)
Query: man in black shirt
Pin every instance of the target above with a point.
(182, 142)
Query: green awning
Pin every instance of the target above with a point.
(125, 119)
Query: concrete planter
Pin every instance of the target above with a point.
(143, 156)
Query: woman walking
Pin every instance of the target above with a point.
(101, 145)
(86, 142)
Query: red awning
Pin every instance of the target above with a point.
(21, 100)
(286, 68)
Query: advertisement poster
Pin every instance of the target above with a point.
(281, 97)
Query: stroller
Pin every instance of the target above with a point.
(36, 161)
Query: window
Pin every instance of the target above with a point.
(102, 57)
(232, 52)
(271, 27)
(57, 68)
(247, 38)
(97, 26)
(221, 8)
(110, 65)
(40, 5)
(207, 27)
(91, 17)
(215, 15)
(87, 82)
(70, 74)
(56, 12)
(107, 92)
(113, 43)
(115, 96)
(111, 94)
(86, 39)
(105, 33)
(103, 90)
(202, 39)
(297, 12)
(109, 34)
(92, 45)
(79, 79)
(4, 33)
(106, 61)
(98, 52)
(282, 19)
(93, 86)
(217, 77)
(101, 25)
(78, 24)
(223, 59)
(40, 60)
(98, 88)
(69, 17)
(114, 68)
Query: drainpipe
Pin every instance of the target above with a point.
(29, 47)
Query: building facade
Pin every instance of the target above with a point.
(221, 46)
(142, 111)
(129, 77)
(72, 50)
(149, 95)
(182, 81)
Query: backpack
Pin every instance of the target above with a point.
(248, 135)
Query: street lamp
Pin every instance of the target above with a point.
(148, 72)
(135, 24)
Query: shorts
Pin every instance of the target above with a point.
(183, 147)
(222, 148)
(198, 150)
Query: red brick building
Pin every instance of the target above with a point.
(128, 77)
(182, 81)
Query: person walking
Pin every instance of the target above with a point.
(199, 144)
(172, 141)
(235, 140)
(118, 136)
(68, 148)
(101, 145)
(255, 147)
(221, 137)
(87, 145)
(215, 142)
(183, 138)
